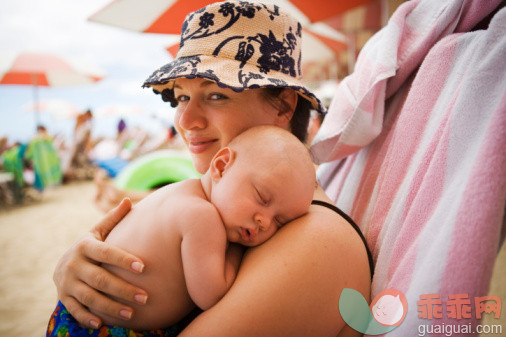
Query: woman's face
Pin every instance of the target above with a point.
(209, 117)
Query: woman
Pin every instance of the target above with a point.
(291, 284)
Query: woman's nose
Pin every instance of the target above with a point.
(192, 116)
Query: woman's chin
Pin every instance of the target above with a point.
(201, 162)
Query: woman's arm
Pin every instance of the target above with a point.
(290, 285)
(79, 280)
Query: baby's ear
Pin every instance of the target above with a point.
(221, 161)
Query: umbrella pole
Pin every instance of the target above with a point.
(352, 52)
(36, 99)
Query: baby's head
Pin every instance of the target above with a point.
(263, 179)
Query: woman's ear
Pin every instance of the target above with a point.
(290, 99)
(221, 161)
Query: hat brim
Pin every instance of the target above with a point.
(227, 73)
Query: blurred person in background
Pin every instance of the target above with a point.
(3, 144)
(77, 164)
(43, 159)
(12, 167)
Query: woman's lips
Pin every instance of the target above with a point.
(199, 145)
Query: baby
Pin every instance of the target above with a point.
(262, 180)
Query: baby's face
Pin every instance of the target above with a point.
(256, 199)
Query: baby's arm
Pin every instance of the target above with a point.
(209, 266)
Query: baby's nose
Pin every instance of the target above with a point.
(263, 221)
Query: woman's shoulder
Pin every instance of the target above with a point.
(298, 273)
(323, 225)
(321, 236)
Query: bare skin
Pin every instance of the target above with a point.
(158, 242)
(311, 259)
(181, 231)
(308, 304)
(301, 295)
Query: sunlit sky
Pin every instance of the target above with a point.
(60, 27)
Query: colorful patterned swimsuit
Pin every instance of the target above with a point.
(62, 324)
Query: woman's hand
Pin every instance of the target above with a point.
(80, 280)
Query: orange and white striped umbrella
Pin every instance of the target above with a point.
(166, 16)
(320, 42)
(45, 70)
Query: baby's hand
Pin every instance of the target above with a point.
(233, 259)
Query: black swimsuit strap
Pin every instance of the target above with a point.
(353, 224)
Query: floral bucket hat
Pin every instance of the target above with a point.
(239, 45)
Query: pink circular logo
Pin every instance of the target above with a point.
(389, 307)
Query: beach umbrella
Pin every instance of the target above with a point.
(37, 69)
(167, 16)
(320, 42)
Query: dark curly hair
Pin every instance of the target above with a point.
(300, 119)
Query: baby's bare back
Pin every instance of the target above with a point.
(152, 232)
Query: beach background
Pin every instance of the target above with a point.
(34, 236)
(32, 239)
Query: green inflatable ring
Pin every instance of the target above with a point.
(155, 170)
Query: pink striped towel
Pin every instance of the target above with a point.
(414, 150)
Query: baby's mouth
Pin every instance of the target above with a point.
(247, 234)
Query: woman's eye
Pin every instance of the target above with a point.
(182, 98)
(217, 96)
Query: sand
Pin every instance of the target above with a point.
(33, 237)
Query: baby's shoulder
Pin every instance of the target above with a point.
(184, 192)
(197, 207)
(187, 204)
(199, 214)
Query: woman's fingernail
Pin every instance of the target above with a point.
(126, 314)
(94, 324)
(141, 299)
(137, 266)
